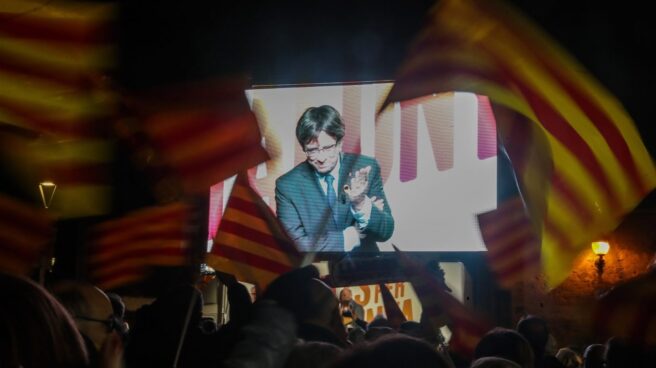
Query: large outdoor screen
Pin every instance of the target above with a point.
(434, 158)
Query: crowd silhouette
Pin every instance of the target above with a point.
(296, 322)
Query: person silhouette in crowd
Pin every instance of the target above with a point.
(505, 343)
(569, 358)
(593, 356)
(35, 329)
(536, 331)
(313, 354)
(493, 362)
(393, 351)
(93, 314)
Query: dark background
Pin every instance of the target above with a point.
(324, 41)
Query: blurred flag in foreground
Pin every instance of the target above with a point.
(596, 167)
(513, 251)
(53, 57)
(25, 232)
(440, 308)
(206, 132)
(250, 243)
(123, 250)
(81, 170)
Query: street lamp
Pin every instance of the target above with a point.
(600, 249)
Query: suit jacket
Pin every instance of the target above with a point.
(303, 209)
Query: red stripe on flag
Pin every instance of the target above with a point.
(104, 245)
(223, 127)
(29, 223)
(499, 250)
(251, 234)
(249, 207)
(49, 29)
(140, 253)
(229, 252)
(72, 172)
(562, 130)
(573, 200)
(77, 81)
(562, 241)
(600, 119)
(239, 152)
(36, 120)
(131, 273)
(521, 265)
(162, 215)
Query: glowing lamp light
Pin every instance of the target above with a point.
(47, 190)
(600, 249)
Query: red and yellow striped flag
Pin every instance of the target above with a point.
(599, 166)
(25, 232)
(122, 251)
(205, 132)
(440, 308)
(250, 243)
(513, 251)
(81, 169)
(53, 57)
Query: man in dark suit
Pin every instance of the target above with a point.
(333, 201)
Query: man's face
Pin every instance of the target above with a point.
(345, 295)
(323, 153)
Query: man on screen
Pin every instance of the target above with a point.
(333, 201)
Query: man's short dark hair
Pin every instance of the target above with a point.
(316, 120)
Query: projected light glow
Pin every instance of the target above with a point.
(438, 157)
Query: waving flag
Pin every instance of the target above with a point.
(124, 250)
(81, 169)
(593, 168)
(205, 132)
(53, 57)
(25, 232)
(513, 253)
(250, 243)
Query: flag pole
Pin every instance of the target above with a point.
(183, 333)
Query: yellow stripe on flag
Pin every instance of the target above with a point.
(252, 247)
(243, 272)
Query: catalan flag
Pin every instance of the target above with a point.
(513, 252)
(250, 243)
(53, 60)
(123, 251)
(442, 308)
(25, 232)
(597, 168)
(206, 132)
(81, 169)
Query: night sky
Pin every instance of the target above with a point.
(291, 42)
